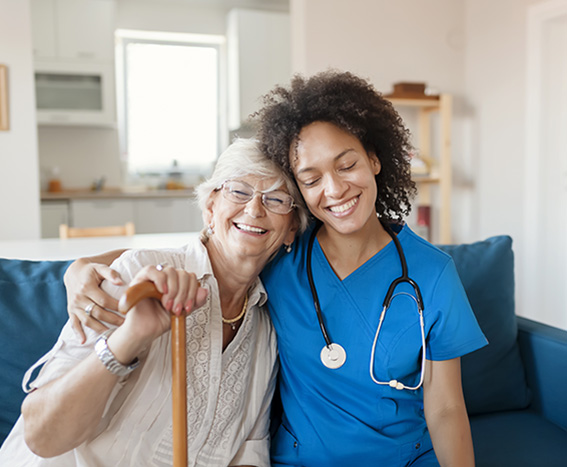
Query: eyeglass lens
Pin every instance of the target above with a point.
(276, 201)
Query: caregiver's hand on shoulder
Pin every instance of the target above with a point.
(87, 303)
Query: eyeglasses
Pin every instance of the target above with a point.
(278, 202)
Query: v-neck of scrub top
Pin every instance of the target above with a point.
(354, 287)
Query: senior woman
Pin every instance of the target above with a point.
(85, 410)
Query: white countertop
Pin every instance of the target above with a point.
(72, 248)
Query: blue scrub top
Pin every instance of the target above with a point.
(334, 417)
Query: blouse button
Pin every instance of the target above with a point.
(418, 445)
(295, 444)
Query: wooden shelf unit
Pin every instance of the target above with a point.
(440, 171)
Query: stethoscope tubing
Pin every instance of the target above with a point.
(386, 304)
(314, 289)
(404, 277)
(395, 383)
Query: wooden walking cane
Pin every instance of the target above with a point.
(179, 367)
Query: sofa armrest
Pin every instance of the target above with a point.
(544, 352)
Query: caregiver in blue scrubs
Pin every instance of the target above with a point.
(348, 151)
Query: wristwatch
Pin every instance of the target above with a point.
(109, 360)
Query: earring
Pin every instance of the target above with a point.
(287, 248)
(210, 230)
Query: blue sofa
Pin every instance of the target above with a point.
(515, 388)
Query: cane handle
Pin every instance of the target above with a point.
(136, 293)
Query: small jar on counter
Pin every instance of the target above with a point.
(54, 183)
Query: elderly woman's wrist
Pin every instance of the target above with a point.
(124, 348)
(109, 360)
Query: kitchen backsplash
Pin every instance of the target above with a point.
(81, 155)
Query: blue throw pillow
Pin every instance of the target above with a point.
(493, 377)
(33, 309)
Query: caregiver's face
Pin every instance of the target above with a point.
(336, 176)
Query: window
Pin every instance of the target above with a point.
(168, 101)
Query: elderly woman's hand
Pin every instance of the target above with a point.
(181, 291)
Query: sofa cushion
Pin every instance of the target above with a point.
(520, 438)
(33, 309)
(493, 377)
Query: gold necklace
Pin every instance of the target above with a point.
(233, 321)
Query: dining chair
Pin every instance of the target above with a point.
(127, 229)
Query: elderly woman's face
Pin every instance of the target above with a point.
(250, 228)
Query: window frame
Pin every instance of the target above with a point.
(125, 37)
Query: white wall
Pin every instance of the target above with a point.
(406, 40)
(171, 16)
(19, 188)
(497, 70)
(496, 73)
(496, 82)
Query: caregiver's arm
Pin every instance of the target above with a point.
(446, 414)
(82, 281)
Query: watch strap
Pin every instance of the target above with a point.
(108, 359)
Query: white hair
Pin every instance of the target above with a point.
(244, 157)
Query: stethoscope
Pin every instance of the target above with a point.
(333, 355)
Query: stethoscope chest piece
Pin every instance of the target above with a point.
(333, 356)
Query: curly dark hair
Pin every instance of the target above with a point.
(352, 104)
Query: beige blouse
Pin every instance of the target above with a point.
(228, 393)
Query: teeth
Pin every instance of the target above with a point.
(249, 228)
(344, 207)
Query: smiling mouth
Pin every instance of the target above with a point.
(343, 207)
(249, 228)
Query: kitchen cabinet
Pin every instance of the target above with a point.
(434, 146)
(44, 35)
(150, 213)
(73, 44)
(73, 29)
(259, 56)
(86, 29)
(71, 93)
(53, 213)
(167, 215)
(100, 212)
